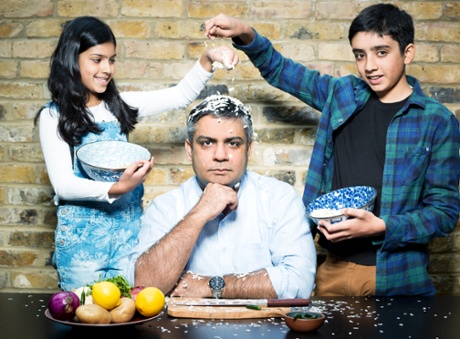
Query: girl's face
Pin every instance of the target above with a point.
(97, 67)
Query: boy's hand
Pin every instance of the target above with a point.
(361, 224)
(223, 26)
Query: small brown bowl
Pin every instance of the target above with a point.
(304, 321)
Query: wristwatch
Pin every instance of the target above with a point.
(216, 284)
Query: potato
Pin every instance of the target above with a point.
(93, 314)
(124, 312)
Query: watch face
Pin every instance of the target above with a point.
(217, 283)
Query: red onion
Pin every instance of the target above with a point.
(135, 291)
(62, 305)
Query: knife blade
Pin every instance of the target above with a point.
(294, 302)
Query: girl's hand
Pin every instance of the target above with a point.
(132, 177)
(220, 57)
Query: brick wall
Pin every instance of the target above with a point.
(158, 42)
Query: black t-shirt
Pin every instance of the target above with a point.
(359, 157)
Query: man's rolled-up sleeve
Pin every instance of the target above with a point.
(292, 248)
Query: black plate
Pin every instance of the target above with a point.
(136, 321)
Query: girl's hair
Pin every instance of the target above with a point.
(221, 106)
(384, 19)
(67, 89)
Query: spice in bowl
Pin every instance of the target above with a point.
(304, 321)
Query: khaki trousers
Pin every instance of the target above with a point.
(336, 277)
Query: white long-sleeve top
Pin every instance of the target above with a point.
(56, 151)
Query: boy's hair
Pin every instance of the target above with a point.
(384, 19)
(221, 106)
(65, 85)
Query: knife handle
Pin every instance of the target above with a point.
(295, 302)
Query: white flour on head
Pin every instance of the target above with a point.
(221, 103)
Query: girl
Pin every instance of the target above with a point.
(98, 222)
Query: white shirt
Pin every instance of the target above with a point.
(269, 229)
(57, 152)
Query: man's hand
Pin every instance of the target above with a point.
(215, 199)
(223, 26)
(361, 224)
(192, 285)
(253, 285)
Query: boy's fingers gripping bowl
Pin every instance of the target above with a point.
(330, 205)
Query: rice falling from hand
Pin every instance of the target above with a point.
(227, 65)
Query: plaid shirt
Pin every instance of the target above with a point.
(420, 194)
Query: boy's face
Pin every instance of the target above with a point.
(219, 153)
(381, 65)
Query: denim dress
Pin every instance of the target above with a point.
(93, 239)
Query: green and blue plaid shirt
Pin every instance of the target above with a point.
(420, 194)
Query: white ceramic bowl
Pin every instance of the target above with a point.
(330, 205)
(107, 160)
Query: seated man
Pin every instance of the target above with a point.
(246, 231)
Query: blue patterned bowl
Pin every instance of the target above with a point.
(107, 160)
(330, 205)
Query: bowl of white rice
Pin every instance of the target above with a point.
(107, 160)
(330, 206)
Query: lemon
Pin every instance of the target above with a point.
(106, 294)
(150, 301)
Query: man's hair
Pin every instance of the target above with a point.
(384, 19)
(221, 106)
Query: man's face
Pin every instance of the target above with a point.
(381, 65)
(218, 151)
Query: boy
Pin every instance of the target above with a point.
(378, 130)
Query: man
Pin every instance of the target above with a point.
(378, 130)
(247, 232)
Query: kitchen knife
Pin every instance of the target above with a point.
(295, 302)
